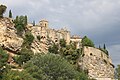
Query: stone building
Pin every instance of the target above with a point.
(47, 35)
(77, 40)
(98, 64)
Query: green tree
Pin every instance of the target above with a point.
(2, 10)
(118, 72)
(28, 39)
(3, 61)
(26, 20)
(54, 49)
(3, 58)
(17, 75)
(33, 23)
(51, 67)
(10, 14)
(20, 24)
(104, 47)
(87, 42)
(62, 43)
(24, 56)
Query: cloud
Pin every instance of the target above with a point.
(115, 53)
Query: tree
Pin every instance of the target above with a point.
(28, 39)
(20, 24)
(26, 20)
(87, 42)
(17, 75)
(62, 43)
(3, 61)
(118, 72)
(104, 47)
(3, 58)
(51, 67)
(2, 10)
(33, 23)
(24, 56)
(54, 49)
(10, 14)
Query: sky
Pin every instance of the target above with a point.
(97, 19)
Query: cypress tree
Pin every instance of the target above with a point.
(10, 14)
(25, 20)
(104, 47)
(33, 23)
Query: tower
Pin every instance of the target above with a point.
(44, 28)
(43, 23)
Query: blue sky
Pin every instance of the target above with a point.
(98, 19)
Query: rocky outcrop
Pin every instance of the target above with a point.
(97, 63)
(8, 37)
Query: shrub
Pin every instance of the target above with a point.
(2, 10)
(87, 42)
(52, 67)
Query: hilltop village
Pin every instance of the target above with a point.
(37, 52)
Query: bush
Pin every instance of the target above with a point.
(16, 75)
(52, 67)
(20, 24)
(3, 57)
(28, 39)
(87, 42)
(24, 56)
(2, 10)
(62, 43)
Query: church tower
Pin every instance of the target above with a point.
(43, 23)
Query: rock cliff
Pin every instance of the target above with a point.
(97, 63)
(8, 37)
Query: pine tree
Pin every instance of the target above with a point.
(10, 14)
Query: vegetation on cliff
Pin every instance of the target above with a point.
(2, 10)
(52, 67)
(87, 42)
(118, 72)
(60, 63)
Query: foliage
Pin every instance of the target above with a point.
(33, 23)
(3, 58)
(51, 67)
(10, 14)
(2, 10)
(104, 50)
(118, 72)
(20, 23)
(62, 43)
(104, 47)
(17, 75)
(70, 53)
(53, 49)
(87, 42)
(25, 55)
(28, 38)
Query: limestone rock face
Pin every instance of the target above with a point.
(97, 63)
(8, 36)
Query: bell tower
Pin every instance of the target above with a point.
(43, 23)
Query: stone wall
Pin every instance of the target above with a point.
(97, 63)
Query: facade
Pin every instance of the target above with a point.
(46, 33)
